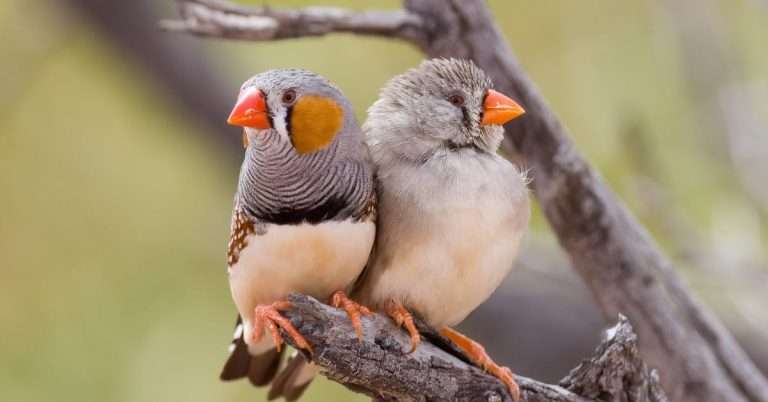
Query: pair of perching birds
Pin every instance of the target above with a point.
(415, 212)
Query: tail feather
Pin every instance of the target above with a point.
(264, 367)
(259, 369)
(293, 380)
(238, 363)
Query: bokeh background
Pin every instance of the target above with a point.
(117, 173)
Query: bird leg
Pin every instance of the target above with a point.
(403, 318)
(340, 300)
(269, 315)
(477, 354)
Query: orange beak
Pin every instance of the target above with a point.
(499, 109)
(250, 110)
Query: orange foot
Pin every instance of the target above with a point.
(269, 315)
(403, 318)
(353, 309)
(477, 354)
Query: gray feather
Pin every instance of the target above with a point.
(451, 210)
(413, 118)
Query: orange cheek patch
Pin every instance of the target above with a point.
(315, 120)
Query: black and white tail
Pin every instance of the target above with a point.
(260, 369)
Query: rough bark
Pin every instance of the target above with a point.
(379, 366)
(697, 358)
(629, 379)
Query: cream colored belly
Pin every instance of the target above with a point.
(450, 268)
(310, 259)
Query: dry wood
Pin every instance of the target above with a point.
(379, 365)
(697, 358)
(226, 20)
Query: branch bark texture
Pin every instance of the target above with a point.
(220, 19)
(379, 365)
(697, 359)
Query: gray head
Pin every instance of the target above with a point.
(305, 160)
(441, 104)
(297, 107)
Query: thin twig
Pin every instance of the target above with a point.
(225, 20)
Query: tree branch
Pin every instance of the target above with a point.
(698, 360)
(378, 365)
(221, 19)
(629, 379)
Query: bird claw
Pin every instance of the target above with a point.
(504, 374)
(340, 300)
(478, 355)
(403, 318)
(269, 316)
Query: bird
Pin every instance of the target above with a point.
(303, 219)
(451, 212)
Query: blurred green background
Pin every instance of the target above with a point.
(115, 195)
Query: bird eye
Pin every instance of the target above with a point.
(456, 100)
(289, 97)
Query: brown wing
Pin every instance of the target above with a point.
(242, 226)
(369, 212)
